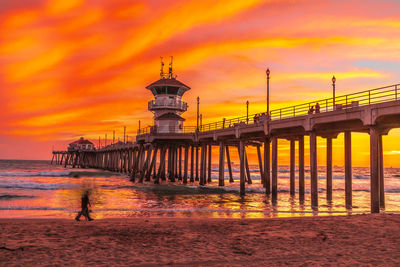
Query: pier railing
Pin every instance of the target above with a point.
(368, 97)
(169, 130)
(181, 105)
(364, 98)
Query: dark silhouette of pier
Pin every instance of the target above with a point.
(184, 153)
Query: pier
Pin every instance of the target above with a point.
(170, 151)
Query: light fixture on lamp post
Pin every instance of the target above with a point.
(333, 87)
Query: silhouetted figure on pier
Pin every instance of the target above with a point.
(85, 204)
(311, 110)
(317, 108)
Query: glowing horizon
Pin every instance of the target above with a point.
(79, 68)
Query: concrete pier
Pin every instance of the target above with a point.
(157, 155)
(347, 169)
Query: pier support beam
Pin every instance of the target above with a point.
(292, 167)
(202, 165)
(209, 163)
(329, 168)
(197, 163)
(347, 171)
(242, 168)
(381, 174)
(221, 174)
(229, 164)
(301, 168)
(374, 165)
(185, 164)
(192, 164)
(180, 163)
(314, 170)
(152, 164)
(260, 165)
(249, 181)
(274, 168)
(267, 162)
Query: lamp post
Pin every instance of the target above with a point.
(333, 87)
(125, 131)
(247, 111)
(198, 103)
(267, 72)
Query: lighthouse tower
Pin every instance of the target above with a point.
(167, 105)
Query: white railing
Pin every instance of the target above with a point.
(168, 104)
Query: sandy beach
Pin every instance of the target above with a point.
(358, 239)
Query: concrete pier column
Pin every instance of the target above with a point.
(381, 174)
(197, 163)
(274, 168)
(191, 163)
(242, 168)
(180, 163)
(374, 165)
(172, 173)
(249, 181)
(260, 165)
(163, 170)
(314, 170)
(329, 168)
(221, 174)
(347, 169)
(176, 169)
(152, 164)
(209, 163)
(267, 162)
(185, 164)
(202, 159)
(229, 164)
(292, 167)
(301, 168)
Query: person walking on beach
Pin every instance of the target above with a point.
(85, 204)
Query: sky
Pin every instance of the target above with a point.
(79, 68)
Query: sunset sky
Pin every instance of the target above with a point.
(79, 68)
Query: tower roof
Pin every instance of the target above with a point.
(168, 82)
(169, 116)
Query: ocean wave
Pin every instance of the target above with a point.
(35, 174)
(37, 186)
(361, 177)
(34, 208)
(74, 174)
(10, 196)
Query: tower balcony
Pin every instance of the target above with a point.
(167, 104)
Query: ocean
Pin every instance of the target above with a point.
(37, 189)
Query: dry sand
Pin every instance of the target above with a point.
(359, 239)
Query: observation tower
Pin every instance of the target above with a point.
(167, 105)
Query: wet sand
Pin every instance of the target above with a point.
(358, 239)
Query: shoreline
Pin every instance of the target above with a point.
(348, 239)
